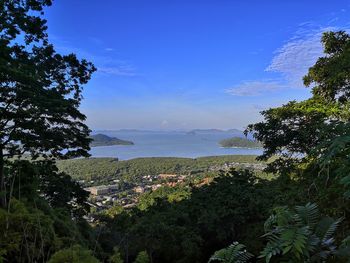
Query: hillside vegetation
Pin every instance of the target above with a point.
(105, 169)
(104, 140)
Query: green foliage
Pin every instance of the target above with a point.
(116, 257)
(75, 254)
(31, 230)
(190, 229)
(294, 131)
(40, 90)
(235, 253)
(294, 236)
(336, 158)
(311, 138)
(329, 74)
(172, 194)
(26, 234)
(104, 169)
(300, 236)
(142, 257)
(89, 168)
(31, 179)
(40, 93)
(299, 128)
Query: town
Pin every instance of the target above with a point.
(126, 194)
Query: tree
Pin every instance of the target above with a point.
(233, 206)
(27, 235)
(142, 257)
(41, 179)
(293, 236)
(75, 254)
(336, 158)
(330, 75)
(116, 257)
(311, 138)
(40, 90)
(297, 131)
(300, 235)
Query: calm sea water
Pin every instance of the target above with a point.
(168, 144)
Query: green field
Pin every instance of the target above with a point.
(105, 169)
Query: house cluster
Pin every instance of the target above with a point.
(104, 196)
(228, 166)
(102, 189)
(152, 183)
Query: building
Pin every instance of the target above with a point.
(102, 189)
(167, 176)
(113, 187)
(98, 190)
(139, 189)
(155, 187)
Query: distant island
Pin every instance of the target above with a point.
(240, 142)
(104, 140)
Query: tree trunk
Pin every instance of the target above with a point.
(2, 180)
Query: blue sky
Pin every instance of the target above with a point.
(192, 64)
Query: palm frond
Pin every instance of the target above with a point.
(235, 253)
(307, 215)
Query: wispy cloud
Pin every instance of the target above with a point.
(292, 61)
(259, 107)
(164, 123)
(95, 40)
(109, 49)
(121, 70)
(296, 56)
(106, 64)
(255, 88)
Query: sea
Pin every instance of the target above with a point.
(197, 143)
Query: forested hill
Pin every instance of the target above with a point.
(104, 140)
(239, 142)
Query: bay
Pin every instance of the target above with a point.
(170, 144)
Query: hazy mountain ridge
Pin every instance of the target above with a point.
(212, 130)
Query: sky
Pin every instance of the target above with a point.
(185, 64)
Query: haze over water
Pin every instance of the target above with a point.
(169, 144)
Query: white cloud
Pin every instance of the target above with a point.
(291, 61)
(164, 123)
(121, 70)
(96, 41)
(259, 107)
(106, 64)
(298, 54)
(255, 88)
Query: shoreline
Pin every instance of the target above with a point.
(168, 157)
